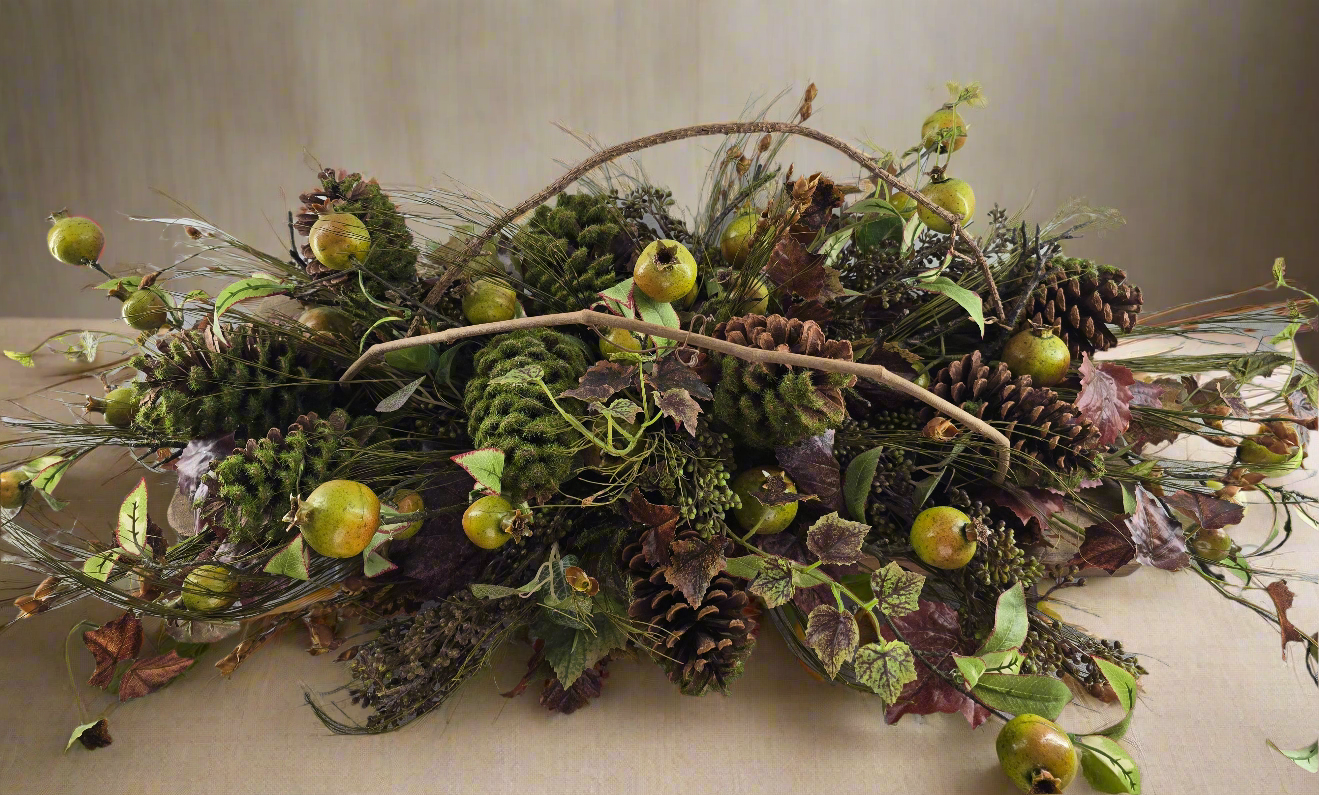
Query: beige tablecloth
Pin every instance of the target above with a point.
(1217, 688)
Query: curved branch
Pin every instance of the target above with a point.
(722, 128)
(587, 317)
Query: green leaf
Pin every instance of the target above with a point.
(745, 567)
(49, 476)
(571, 651)
(486, 466)
(255, 287)
(1010, 622)
(857, 481)
(1239, 567)
(1287, 334)
(619, 297)
(395, 401)
(971, 668)
(1000, 662)
(773, 583)
(292, 561)
(1107, 766)
(132, 529)
(873, 206)
(25, 359)
(1038, 695)
(834, 635)
(1306, 758)
(897, 590)
(658, 312)
(374, 563)
(131, 282)
(924, 488)
(484, 591)
(98, 566)
(520, 375)
(968, 300)
(885, 667)
(1124, 685)
(1128, 500)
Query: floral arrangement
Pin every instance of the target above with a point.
(851, 412)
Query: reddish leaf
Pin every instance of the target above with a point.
(1161, 394)
(795, 269)
(602, 380)
(679, 405)
(111, 644)
(195, 460)
(812, 466)
(1158, 538)
(1032, 506)
(149, 675)
(694, 562)
(1105, 398)
(662, 521)
(810, 310)
(1282, 597)
(670, 373)
(935, 634)
(1210, 513)
(1107, 546)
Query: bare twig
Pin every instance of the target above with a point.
(587, 317)
(722, 128)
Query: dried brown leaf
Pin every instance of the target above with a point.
(670, 373)
(147, 676)
(602, 380)
(1105, 398)
(812, 466)
(1157, 536)
(1107, 546)
(111, 644)
(678, 405)
(693, 563)
(1282, 597)
(1210, 513)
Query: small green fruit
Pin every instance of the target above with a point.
(145, 311)
(487, 520)
(690, 298)
(209, 587)
(339, 518)
(736, 241)
(1040, 354)
(752, 513)
(904, 204)
(953, 195)
(756, 301)
(922, 380)
(73, 240)
(665, 271)
(1102, 776)
(943, 537)
(942, 127)
(1213, 545)
(408, 501)
(339, 240)
(489, 301)
(326, 321)
(1036, 754)
(11, 488)
(416, 360)
(619, 342)
(119, 406)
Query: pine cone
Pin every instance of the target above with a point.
(568, 253)
(255, 380)
(768, 405)
(1080, 299)
(393, 256)
(702, 649)
(518, 418)
(1034, 419)
(588, 685)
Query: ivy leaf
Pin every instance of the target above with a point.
(1209, 512)
(1010, 622)
(834, 635)
(1305, 758)
(1107, 546)
(967, 299)
(92, 735)
(1124, 687)
(601, 381)
(147, 676)
(935, 634)
(1105, 398)
(812, 466)
(1157, 537)
(132, 530)
(745, 567)
(670, 373)
(1282, 597)
(835, 540)
(694, 562)
(773, 582)
(292, 561)
(858, 480)
(897, 590)
(623, 410)
(373, 563)
(1038, 695)
(396, 401)
(111, 644)
(1107, 766)
(885, 667)
(679, 405)
(486, 466)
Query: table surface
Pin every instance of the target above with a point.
(1217, 688)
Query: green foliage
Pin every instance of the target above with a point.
(517, 416)
(568, 253)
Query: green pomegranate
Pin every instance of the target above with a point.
(486, 522)
(73, 240)
(736, 241)
(618, 343)
(953, 195)
(326, 321)
(1037, 754)
(1212, 544)
(209, 587)
(489, 301)
(943, 537)
(751, 513)
(943, 126)
(119, 406)
(408, 501)
(1040, 354)
(756, 300)
(904, 204)
(665, 271)
(145, 310)
(339, 518)
(339, 240)
(11, 488)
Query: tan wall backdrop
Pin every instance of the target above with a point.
(1195, 119)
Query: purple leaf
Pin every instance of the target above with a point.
(812, 466)
(1105, 398)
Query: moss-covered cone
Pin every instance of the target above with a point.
(249, 490)
(255, 379)
(568, 253)
(392, 256)
(517, 417)
(766, 405)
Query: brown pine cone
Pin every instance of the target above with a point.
(567, 701)
(1080, 299)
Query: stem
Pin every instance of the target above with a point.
(589, 317)
(68, 666)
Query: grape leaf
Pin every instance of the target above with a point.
(623, 410)
(693, 563)
(897, 590)
(812, 466)
(670, 373)
(774, 491)
(773, 582)
(1105, 398)
(1282, 597)
(835, 540)
(486, 466)
(111, 644)
(858, 481)
(885, 667)
(834, 635)
(1209, 512)
(935, 635)
(662, 521)
(678, 405)
(1158, 538)
(602, 380)
(147, 676)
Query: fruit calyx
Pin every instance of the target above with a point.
(1042, 782)
(666, 255)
